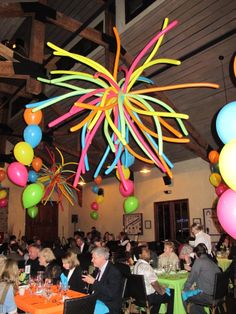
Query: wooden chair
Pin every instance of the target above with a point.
(84, 305)
(219, 294)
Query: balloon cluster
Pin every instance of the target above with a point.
(24, 154)
(224, 165)
(99, 198)
(3, 192)
(121, 110)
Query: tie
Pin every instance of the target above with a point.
(98, 275)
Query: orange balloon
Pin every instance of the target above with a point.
(2, 175)
(32, 117)
(98, 180)
(37, 163)
(213, 156)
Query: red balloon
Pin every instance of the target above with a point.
(3, 202)
(2, 175)
(95, 206)
(221, 188)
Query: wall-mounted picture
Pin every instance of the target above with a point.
(133, 224)
(211, 224)
(197, 221)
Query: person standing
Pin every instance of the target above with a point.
(201, 237)
(155, 292)
(107, 284)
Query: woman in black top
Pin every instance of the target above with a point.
(73, 271)
(52, 268)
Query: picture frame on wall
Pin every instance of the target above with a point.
(211, 224)
(147, 224)
(133, 224)
(197, 221)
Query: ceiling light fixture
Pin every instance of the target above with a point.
(145, 170)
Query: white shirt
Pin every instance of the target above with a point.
(142, 267)
(70, 273)
(202, 237)
(102, 270)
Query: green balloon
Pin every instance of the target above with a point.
(130, 204)
(32, 211)
(32, 195)
(94, 215)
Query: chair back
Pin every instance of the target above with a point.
(83, 305)
(221, 285)
(135, 289)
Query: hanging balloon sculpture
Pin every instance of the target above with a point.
(55, 179)
(3, 192)
(121, 110)
(99, 198)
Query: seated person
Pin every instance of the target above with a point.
(52, 269)
(73, 272)
(8, 286)
(202, 276)
(156, 294)
(223, 243)
(168, 258)
(107, 284)
(122, 264)
(33, 260)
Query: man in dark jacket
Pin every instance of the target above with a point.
(108, 282)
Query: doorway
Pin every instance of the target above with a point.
(44, 225)
(171, 220)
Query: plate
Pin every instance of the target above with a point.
(183, 271)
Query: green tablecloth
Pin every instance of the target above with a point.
(224, 263)
(175, 282)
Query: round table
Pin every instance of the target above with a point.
(176, 282)
(223, 262)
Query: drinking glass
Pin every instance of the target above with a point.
(64, 288)
(177, 267)
(48, 289)
(86, 287)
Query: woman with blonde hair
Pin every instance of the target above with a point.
(9, 281)
(73, 271)
(2, 263)
(168, 259)
(52, 268)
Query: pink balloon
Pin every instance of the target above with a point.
(3, 202)
(17, 173)
(94, 206)
(226, 212)
(130, 188)
(221, 188)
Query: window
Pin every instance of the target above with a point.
(135, 7)
(171, 220)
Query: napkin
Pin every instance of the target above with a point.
(101, 308)
(168, 291)
(64, 280)
(190, 293)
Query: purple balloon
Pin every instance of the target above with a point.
(17, 173)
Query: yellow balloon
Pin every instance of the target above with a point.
(125, 171)
(215, 179)
(227, 164)
(24, 153)
(99, 199)
(3, 194)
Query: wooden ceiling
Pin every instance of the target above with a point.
(206, 31)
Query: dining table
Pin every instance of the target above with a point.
(39, 304)
(174, 281)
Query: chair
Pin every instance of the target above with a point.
(135, 294)
(219, 294)
(83, 305)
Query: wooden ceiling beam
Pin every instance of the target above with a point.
(11, 89)
(13, 10)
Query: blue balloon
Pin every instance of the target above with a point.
(225, 122)
(95, 189)
(32, 176)
(127, 159)
(32, 135)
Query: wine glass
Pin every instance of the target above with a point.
(48, 290)
(64, 288)
(86, 287)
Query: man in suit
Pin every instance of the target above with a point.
(33, 260)
(107, 284)
(84, 255)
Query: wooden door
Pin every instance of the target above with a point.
(45, 225)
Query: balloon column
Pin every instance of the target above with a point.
(3, 192)
(122, 110)
(226, 129)
(99, 198)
